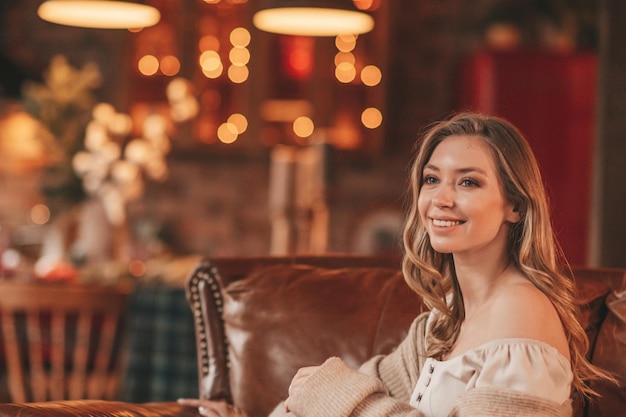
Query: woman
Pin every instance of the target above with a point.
(502, 336)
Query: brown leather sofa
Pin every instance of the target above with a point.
(259, 319)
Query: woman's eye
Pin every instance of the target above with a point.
(469, 183)
(430, 180)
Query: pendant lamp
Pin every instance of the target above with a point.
(312, 18)
(102, 14)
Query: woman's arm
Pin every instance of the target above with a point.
(498, 402)
(381, 386)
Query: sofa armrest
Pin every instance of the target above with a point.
(96, 408)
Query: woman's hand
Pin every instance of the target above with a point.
(298, 380)
(212, 408)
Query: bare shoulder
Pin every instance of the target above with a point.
(521, 310)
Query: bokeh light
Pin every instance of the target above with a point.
(341, 57)
(210, 60)
(240, 37)
(371, 118)
(345, 72)
(227, 133)
(239, 121)
(371, 75)
(148, 65)
(170, 65)
(137, 268)
(40, 214)
(238, 74)
(209, 43)
(345, 43)
(303, 127)
(239, 56)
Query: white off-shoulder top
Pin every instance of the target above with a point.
(525, 365)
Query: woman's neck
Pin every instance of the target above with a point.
(480, 279)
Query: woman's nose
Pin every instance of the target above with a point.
(444, 196)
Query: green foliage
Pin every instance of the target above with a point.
(63, 105)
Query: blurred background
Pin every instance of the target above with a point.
(203, 135)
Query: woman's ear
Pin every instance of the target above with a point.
(514, 213)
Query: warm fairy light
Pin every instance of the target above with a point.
(371, 75)
(362, 4)
(137, 268)
(345, 72)
(239, 56)
(177, 89)
(211, 64)
(170, 65)
(95, 136)
(183, 102)
(40, 214)
(238, 74)
(138, 151)
(239, 121)
(124, 171)
(81, 162)
(345, 43)
(367, 4)
(120, 124)
(303, 127)
(210, 61)
(103, 111)
(11, 259)
(156, 169)
(214, 73)
(371, 118)
(209, 43)
(240, 37)
(227, 133)
(344, 57)
(148, 65)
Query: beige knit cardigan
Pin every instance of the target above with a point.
(383, 385)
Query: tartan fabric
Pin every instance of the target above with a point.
(163, 362)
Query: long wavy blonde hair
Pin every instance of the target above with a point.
(532, 245)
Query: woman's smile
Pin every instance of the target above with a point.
(446, 223)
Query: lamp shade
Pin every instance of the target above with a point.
(312, 18)
(103, 14)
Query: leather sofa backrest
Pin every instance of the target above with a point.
(259, 319)
(256, 329)
(608, 336)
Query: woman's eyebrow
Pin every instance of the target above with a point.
(464, 170)
(471, 169)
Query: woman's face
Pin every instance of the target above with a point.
(461, 202)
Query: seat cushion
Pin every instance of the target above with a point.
(281, 318)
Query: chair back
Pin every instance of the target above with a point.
(62, 341)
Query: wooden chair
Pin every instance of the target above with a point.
(62, 341)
